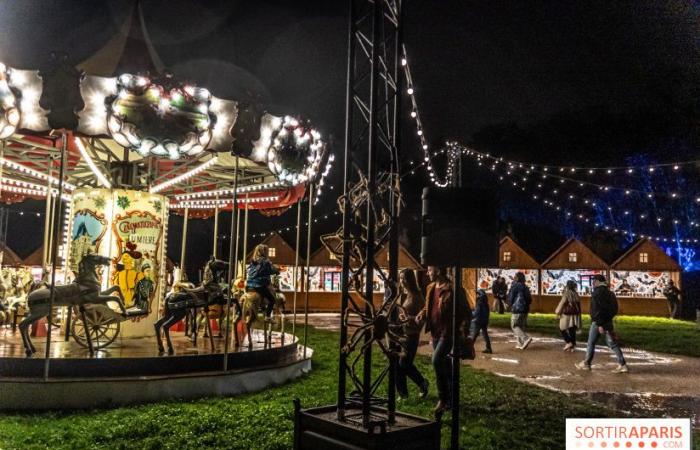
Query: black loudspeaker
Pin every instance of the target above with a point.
(459, 227)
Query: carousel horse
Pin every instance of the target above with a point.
(84, 290)
(252, 303)
(179, 304)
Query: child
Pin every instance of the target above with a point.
(258, 276)
(480, 322)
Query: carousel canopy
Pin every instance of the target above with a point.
(127, 123)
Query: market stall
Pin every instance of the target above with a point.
(511, 260)
(639, 276)
(572, 261)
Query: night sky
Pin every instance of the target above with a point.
(557, 82)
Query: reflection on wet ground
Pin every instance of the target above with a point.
(658, 385)
(11, 346)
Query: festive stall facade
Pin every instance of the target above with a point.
(511, 260)
(572, 261)
(639, 276)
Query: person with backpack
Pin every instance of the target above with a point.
(569, 313)
(603, 310)
(480, 322)
(519, 299)
(437, 314)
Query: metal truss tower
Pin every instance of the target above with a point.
(370, 204)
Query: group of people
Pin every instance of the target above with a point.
(602, 311)
(434, 313)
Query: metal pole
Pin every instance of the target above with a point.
(245, 232)
(454, 432)
(54, 258)
(371, 188)
(345, 274)
(184, 244)
(394, 207)
(296, 269)
(47, 220)
(232, 265)
(308, 261)
(216, 226)
(238, 232)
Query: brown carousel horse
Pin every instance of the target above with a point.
(252, 303)
(84, 290)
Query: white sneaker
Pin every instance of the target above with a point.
(526, 343)
(621, 369)
(583, 366)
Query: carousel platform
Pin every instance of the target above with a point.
(131, 371)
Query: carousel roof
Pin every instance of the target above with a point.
(138, 128)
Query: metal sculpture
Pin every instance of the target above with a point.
(213, 291)
(84, 290)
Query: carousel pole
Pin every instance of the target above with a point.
(47, 218)
(245, 232)
(54, 257)
(232, 263)
(308, 261)
(184, 244)
(296, 269)
(216, 226)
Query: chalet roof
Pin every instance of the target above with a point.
(9, 257)
(657, 258)
(406, 260)
(520, 259)
(35, 258)
(284, 253)
(322, 258)
(128, 51)
(589, 259)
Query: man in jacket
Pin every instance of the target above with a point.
(438, 316)
(603, 310)
(672, 294)
(499, 290)
(519, 299)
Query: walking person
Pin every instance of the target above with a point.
(520, 299)
(499, 290)
(480, 322)
(569, 313)
(438, 315)
(412, 302)
(672, 294)
(603, 310)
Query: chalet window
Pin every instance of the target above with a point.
(573, 257)
(331, 255)
(644, 257)
(272, 252)
(507, 256)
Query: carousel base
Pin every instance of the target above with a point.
(131, 372)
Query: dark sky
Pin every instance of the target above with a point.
(587, 82)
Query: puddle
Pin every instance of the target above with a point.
(506, 360)
(657, 405)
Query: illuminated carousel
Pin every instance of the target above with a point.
(113, 157)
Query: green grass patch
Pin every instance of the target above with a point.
(648, 333)
(497, 413)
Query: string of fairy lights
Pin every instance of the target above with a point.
(520, 173)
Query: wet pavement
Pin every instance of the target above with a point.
(658, 384)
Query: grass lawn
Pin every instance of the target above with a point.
(649, 333)
(498, 413)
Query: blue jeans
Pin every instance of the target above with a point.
(593, 334)
(443, 367)
(484, 329)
